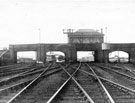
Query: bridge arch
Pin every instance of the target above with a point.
(118, 56)
(70, 50)
(55, 56)
(26, 56)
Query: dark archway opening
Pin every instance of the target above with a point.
(55, 56)
(26, 57)
(118, 57)
(86, 56)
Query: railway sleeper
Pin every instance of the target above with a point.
(121, 88)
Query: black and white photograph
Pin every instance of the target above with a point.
(67, 51)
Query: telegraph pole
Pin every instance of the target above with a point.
(39, 45)
(39, 36)
(106, 34)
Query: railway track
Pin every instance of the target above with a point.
(22, 77)
(120, 69)
(20, 71)
(120, 93)
(123, 68)
(14, 67)
(88, 88)
(65, 93)
(81, 88)
(76, 83)
(115, 76)
(18, 98)
(12, 88)
(17, 69)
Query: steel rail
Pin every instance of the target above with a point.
(3, 53)
(12, 99)
(27, 72)
(109, 97)
(119, 67)
(123, 68)
(85, 93)
(19, 78)
(13, 86)
(19, 71)
(124, 88)
(116, 72)
(58, 91)
(11, 67)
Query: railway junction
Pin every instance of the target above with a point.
(71, 81)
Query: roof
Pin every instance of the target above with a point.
(88, 32)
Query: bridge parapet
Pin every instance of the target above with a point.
(41, 50)
(70, 50)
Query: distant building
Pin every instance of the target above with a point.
(86, 59)
(26, 60)
(85, 36)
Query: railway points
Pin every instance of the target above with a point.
(92, 79)
(70, 83)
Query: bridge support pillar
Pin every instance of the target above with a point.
(70, 55)
(105, 56)
(132, 57)
(101, 56)
(73, 55)
(13, 54)
(98, 56)
(41, 55)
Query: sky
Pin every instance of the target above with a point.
(42, 21)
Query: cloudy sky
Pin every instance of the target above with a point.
(20, 20)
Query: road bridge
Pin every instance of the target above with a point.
(80, 40)
(70, 50)
(42, 49)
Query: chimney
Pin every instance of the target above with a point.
(101, 30)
